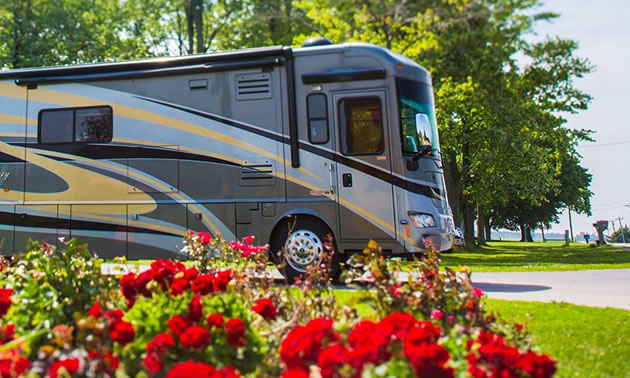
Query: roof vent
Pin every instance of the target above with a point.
(316, 41)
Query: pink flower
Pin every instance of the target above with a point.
(451, 319)
(519, 326)
(478, 292)
(204, 237)
(249, 239)
(437, 314)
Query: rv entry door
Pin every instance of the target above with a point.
(365, 195)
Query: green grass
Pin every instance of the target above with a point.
(501, 256)
(586, 341)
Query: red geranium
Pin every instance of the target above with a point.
(302, 345)
(5, 300)
(369, 344)
(7, 333)
(69, 365)
(195, 309)
(160, 343)
(153, 363)
(331, 359)
(122, 333)
(194, 337)
(265, 308)
(235, 329)
(199, 369)
(398, 324)
(114, 316)
(203, 284)
(14, 366)
(222, 280)
(178, 324)
(215, 320)
(95, 311)
(297, 372)
(249, 239)
(179, 286)
(428, 360)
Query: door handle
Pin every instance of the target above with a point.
(331, 178)
(347, 180)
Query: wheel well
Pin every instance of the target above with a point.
(289, 217)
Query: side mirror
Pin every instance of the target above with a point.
(423, 151)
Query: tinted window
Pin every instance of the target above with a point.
(417, 116)
(317, 113)
(80, 125)
(93, 125)
(361, 123)
(55, 126)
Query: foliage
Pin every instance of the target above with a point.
(53, 286)
(617, 237)
(173, 319)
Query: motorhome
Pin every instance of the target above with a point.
(291, 145)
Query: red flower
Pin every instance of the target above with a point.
(69, 365)
(265, 308)
(222, 280)
(5, 300)
(160, 343)
(203, 284)
(428, 360)
(14, 366)
(302, 345)
(296, 373)
(424, 332)
(95, 311)
(192, 369)
(178, 324)
(179, 286)
(249, 239)
(122, 333)
(478, 292)
(110, 361)
(153, 363)
(398, 324)
(7, 333)
(114, 316)
(331, 359)
(204, 237)
(128, 287)
(369, 344)
(194, 337)
(195, 309)
(437, 314)
(235, 329)
(191, 273)
(215, 320)
(537, 365)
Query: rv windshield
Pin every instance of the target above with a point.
(417, 116)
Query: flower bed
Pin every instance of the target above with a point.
(223, 316)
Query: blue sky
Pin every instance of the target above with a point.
(602, 29)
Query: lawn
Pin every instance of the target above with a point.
(586, 341)
(503, 256)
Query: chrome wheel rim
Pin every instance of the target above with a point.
(303, 248)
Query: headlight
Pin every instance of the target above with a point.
(421, 220)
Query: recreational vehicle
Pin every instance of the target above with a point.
(287, 144)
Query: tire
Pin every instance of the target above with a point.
(298, 243)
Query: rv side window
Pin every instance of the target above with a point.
(361, 124)
(317, 114)
(75, 125)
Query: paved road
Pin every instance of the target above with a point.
(600, 288)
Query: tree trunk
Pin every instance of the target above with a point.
(522, 227)
(481, 225)
(189, 26)
(198, 20)
(528, 234)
